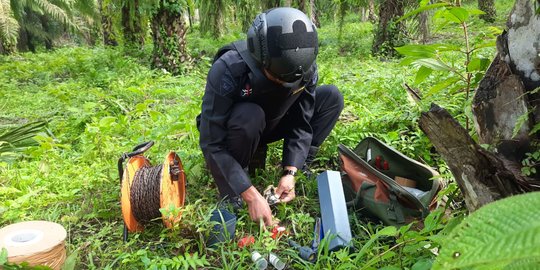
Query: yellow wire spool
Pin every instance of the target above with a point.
(35, 242)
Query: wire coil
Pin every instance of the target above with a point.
(145, 189)
(35, 242)
(144, 194)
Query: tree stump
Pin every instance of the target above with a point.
(481, 176)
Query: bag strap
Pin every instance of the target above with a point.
(393, 186)
(241, 47)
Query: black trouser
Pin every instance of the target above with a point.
(246, 124)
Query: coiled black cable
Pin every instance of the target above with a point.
(145, 194)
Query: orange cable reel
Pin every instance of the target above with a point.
(172, 190)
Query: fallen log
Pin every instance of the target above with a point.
(482, 176)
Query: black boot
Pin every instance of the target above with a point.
(312, 153)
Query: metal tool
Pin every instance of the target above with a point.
(270, 195)
(318, 234)
(305, 252)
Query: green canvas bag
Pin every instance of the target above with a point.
(381, 183)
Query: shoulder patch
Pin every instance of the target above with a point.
(227, 84)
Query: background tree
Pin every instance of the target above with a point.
(28, 23)
(268, 4)
(301, 5)
(372, 15)
(389, 33)
(107, 30)
(368, 10)
(423, 26)
(213, 16)
(313, 15)
(246, 11)
(169, 35)
(342, 7)
(487, 6)
(133, 20)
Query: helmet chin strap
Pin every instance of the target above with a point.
(291, 85)
(275, 79)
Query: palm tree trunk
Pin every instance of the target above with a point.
(313, 13)
(372, 17)
(106, 25)
(212, 17)
(423, 21)
(46, 28)
(24, 43)
(132, 25)
(487, 6)
(389, 34)
(30, 43)
(169, 35)
(506, 93)
(268, 4)
(302, 5)
(218, 19)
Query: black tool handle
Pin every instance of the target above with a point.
(139, 149)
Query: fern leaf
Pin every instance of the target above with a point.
(498, 235)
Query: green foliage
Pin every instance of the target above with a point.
(145, 259)
(500, 235)
(531, 162)
(457, 65)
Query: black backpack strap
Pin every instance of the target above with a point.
(222, 51)
(241, 47)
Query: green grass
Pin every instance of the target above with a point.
(100, 103)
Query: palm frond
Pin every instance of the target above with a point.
(15, 140)
(36, 30)
(56, 12)
(9, 27)
(86, 7)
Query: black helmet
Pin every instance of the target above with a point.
(284, 41)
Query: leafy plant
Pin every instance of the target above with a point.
(13, 141)
(496, 236)
(458, 66)
(531, 161)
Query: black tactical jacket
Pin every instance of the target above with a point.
(229, 82)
